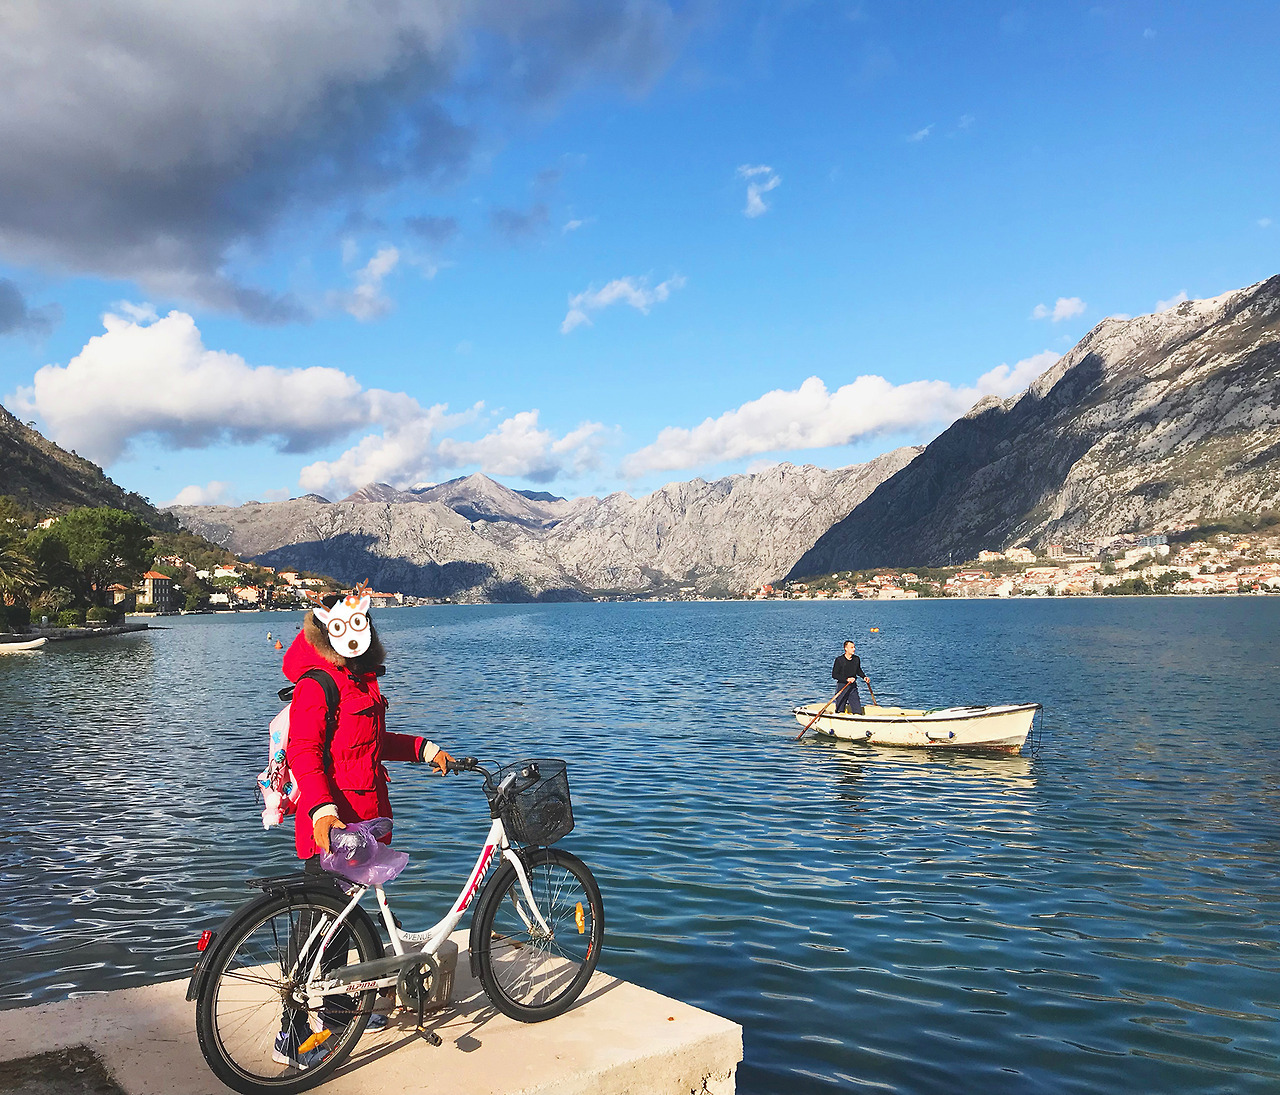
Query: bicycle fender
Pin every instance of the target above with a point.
(487, 892)
(251, 909)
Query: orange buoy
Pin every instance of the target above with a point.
(874, 629)
(279, 645)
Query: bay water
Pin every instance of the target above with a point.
(1102, 915)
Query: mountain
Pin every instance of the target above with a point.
(478, 498)
(474, 539)
(48, 479)
(1147, 424)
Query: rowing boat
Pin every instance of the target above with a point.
(29, 644)
(1004, 727)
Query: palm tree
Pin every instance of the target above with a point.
(18, 575)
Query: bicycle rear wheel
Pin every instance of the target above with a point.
(254, 1031)
(530, 973)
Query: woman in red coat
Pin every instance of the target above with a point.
(339, 769)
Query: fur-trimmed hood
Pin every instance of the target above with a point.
(317, 637)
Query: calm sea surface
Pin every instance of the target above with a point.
(1102, 916)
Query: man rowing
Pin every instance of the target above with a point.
(847, 670)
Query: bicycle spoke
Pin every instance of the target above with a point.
(533, 965)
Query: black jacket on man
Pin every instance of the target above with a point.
(846, 668)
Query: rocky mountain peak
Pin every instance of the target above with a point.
(1147, 423)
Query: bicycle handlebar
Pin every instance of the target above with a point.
(465, 764)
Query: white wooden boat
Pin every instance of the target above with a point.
(29, 644)
(1004, 727)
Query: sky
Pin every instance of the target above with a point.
(250, 251)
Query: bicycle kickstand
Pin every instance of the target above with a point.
(429, 1036)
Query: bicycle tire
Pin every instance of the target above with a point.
(526, 974)
(261, 940)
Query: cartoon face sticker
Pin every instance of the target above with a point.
(348, 624)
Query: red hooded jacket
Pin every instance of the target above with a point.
(354, 780)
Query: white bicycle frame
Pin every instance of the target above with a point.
(495, 844)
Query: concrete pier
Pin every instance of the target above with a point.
(619, 1039)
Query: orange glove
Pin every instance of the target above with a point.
(320, 830)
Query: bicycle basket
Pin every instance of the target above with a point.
(535, 807)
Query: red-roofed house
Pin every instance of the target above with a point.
(157, 592)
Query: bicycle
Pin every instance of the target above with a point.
(306, 959)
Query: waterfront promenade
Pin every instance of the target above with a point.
(619, 1039)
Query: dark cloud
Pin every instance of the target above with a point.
(434, 230)
(162, 143)
(516, 227)
(17, 317)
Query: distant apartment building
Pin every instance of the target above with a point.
(1020, 555)
(225, 572)
(157, 592)
(985, 556)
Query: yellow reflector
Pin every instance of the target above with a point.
(317, 1039)
(580, 919)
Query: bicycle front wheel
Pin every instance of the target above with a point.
(535, 962)
(254, 1029)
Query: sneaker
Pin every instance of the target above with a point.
(307, 1055)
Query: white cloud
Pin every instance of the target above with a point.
(1148, 33)
(142, 312)
(159, 378)
(966, 120)
(1265, 222)
(412, 452)
(213, 493)
(1005, 381)
(1064, 308)
(920, 134)
(632, 291)
(811, 417)
(518, 447)
(366, 301)
(1172, 302)
(405, 451)
(572, 225)
(761, 178)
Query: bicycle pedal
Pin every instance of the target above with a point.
(430, 1036)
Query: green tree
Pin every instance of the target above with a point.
(19, 577)
(90, 549)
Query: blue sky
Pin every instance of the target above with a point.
(554, 216)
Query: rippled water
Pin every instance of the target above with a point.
(1102, 916)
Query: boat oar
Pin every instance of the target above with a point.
(819, 714)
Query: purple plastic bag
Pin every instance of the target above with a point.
(356, 854)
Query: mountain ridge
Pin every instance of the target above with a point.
(48, 479)
(475, 539)
(1146, 423)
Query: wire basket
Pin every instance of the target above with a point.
(534, 806)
